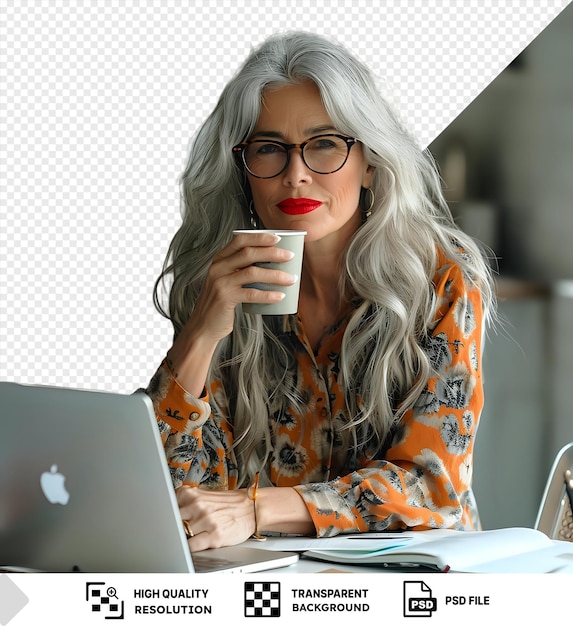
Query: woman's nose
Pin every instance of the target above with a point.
(297, 172)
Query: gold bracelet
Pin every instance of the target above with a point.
(252, 494)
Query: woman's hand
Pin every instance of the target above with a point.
(231, 269)
(214, 312)
(216, 518)
(226, 518)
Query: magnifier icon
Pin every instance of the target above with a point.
(112, 593)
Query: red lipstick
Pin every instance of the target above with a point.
(298, 206)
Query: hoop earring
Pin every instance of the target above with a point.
(253, 216)
(366, 213)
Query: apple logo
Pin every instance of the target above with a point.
(52, 484)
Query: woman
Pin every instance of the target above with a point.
(359, 413)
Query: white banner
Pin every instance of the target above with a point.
(393, 598)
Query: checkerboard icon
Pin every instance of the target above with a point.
(262, 599)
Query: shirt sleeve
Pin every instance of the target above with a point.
(424, 480)
(196, 440)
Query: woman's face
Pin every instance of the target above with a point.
(293, 114)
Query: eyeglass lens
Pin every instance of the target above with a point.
(322, 155)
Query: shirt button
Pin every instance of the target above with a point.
(194, 416)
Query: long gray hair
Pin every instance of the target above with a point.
(389, 264)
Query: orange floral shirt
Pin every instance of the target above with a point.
(423, 478)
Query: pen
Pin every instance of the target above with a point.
(367, 538)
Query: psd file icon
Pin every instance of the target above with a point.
(418, 599)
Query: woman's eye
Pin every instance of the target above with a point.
(324, 143)
(268, 148)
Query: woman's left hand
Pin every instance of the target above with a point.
(216, 518)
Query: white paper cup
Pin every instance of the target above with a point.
(292, 240)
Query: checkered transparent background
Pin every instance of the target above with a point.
(98, 103)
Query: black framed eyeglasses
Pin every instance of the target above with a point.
(322, 154)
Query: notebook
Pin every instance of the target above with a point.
(501, 550)
(84, 486)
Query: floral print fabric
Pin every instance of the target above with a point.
(423, 477)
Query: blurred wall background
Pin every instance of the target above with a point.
(507, 162)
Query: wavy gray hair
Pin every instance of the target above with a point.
(389, 264)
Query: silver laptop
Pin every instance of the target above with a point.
(84, 486)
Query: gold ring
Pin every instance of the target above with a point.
(188, 532)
